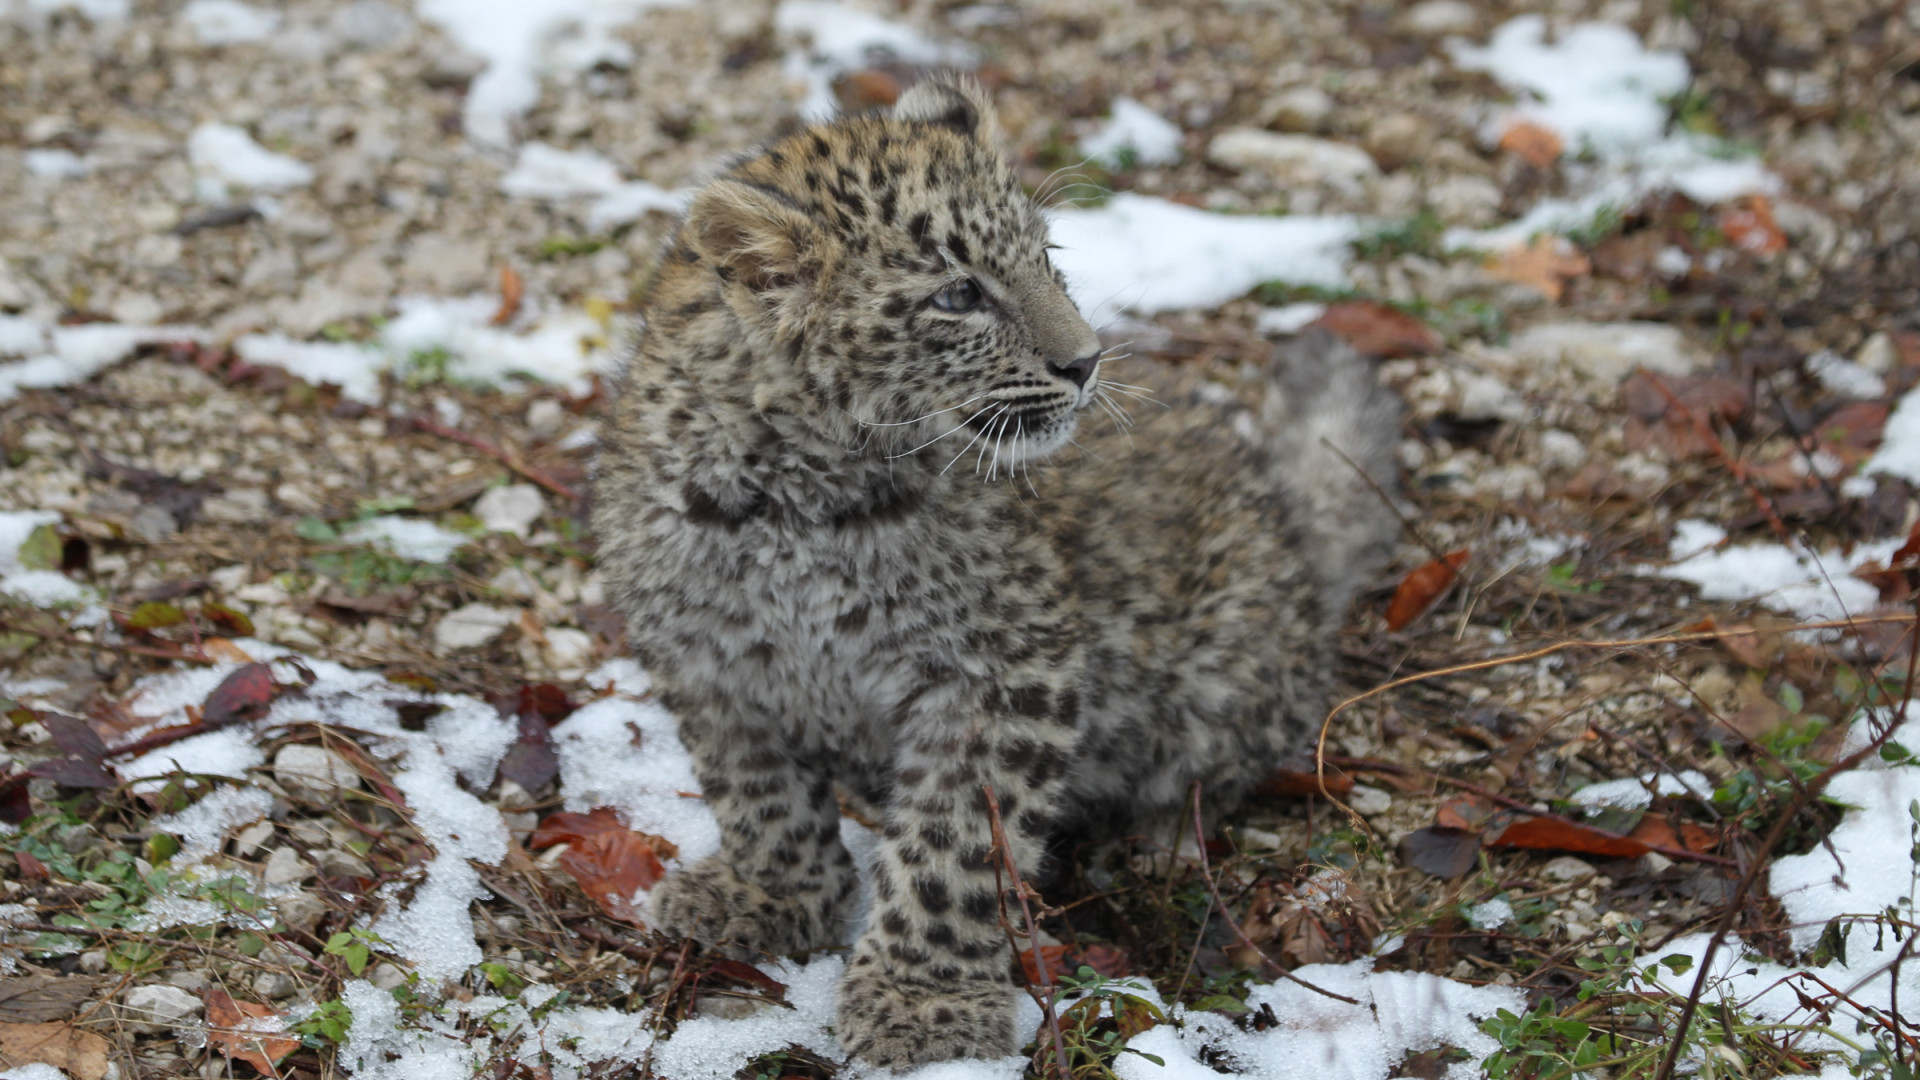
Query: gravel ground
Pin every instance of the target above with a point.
(190, 478)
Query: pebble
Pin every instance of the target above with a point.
(544, 417)
(239, 506)
(1369, 801)
(514, 583)
(285, 867)
(301, 911)
(313, 773)
(512, 509)
(272, 985)
(1606, 352)
(568, 649)
(444, 265)
(335, 863)
(1302, 109)
(1567, 868)
(1465, 200)
(1294, 159)
(250, 839)
(150, 524)
(151, 1010)
(1877, 354)
(471, 626)
(1437, 18)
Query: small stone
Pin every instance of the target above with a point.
(514, 583)
(151, 1010)
(1294, 159)
(387, 976)
(313, 773)
(252, 838)
(1398, 138)
(1483, 397)
(1438, 18)
(240, 506)
(1302, 109)
(301, 911)
(445, 265)
(512, 509)
(1655, 863)
(370, 24)
(193, 982)
(544, 417)
(93, 961)
(727, 1006)
(1607, 352)
(1369, 801)
(1877, 354)
(1567, 868)
(335, 863)
(568, 649)
(272, 986)
(1562, 449)
(284, 867)
(471, 626)
(1465, 200)
(1252, 839)
(151, 524)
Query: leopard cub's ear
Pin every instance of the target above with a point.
(757, 234)
(951, 101)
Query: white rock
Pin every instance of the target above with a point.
(1294, 159)
(150, 1010)
(301, 911)
(545, 416)
(314, 773)
(1607, 352)
(445, 265)
(511, 509)
(1435, 18)
(1877, 354)
(568, 648)
(272, 985)
(1483, 397)
(1465, 200)
(335, 863)
(284, 867)
(249, 839)
(1567, 868)
(1369, 801)
(1304, 108)
(514, 583)
(387, 976)
(471, 626)
(240, 506)
(1562, 449)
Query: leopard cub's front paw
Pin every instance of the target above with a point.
(896, 1022)
(714, 905)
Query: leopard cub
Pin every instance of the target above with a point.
(842, 503)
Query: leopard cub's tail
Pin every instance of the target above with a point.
(1331, 421)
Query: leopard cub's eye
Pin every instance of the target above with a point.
(963, 295)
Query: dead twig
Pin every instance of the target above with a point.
(130, 650)
(1739, 471)
(1206, 871)
(504, 456)
(1043, 996)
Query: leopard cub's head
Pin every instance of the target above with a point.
(894, 281)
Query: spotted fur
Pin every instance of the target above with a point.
(826, 504)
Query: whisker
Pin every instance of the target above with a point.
(957, 427)
(917, 419)
(970, 442)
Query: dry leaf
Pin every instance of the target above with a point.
(1658, 832)
(1538, 146)
(867, 88)
(1441, 851)
(1378, 330)
(80, 1054)
(248, 1031)
(610, 861)
(40, 998)
(1545, 266)
(512, 289)
(1557, 834)
(1750, 225)
(1289, 784)
(219, 648)
(1422, 586)
(241, 696)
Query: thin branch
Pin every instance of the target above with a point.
(130, 650)
(1206, 871)
(1044, 995)
(501, 454)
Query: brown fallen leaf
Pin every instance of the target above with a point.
(1556, 834)
(1545, 266)
(1375, 329)
(1750, 225)
(745, 974)
(1422, 586)
(610, 861)
(1324, 919)
(1466, 812)
(867, 88)
(33, 999)
(512, 289)
(220, 648)
(80, 1054)
(1441, 851)
(1657, 831)
(249, 1031)
(1290, 784)
(1068, 959)
(1538, 146)
(242, 696)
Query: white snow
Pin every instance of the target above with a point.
(1844, 377)
(229, 752)
(73, 353)
(548, 172)
(1899, 453)
(40, 588)
(521, 41)
(1142, 254)
(203, 827)
(1599, 88)
(228, 22)
(408, 538)
(1631, 793)
(1151, 137)
(840, 37)
(353, 368)
(35, 1071)
(561, 347)
(228, 154)
(1803, 583)
(56, 164)
(1288, 318)
(97, 10)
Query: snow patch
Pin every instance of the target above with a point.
(73, 353)
(548, 172)
(1602, 90)
(228, 22)
(228, 155)
(1152, 139)
(203, 827)
(1633, 794)
(407, 538)
(1810, 585)
(1142, 254)
(40, 588)
(350, 367)
(839, 38)
(1899, 453)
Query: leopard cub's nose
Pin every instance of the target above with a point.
(1078, 370)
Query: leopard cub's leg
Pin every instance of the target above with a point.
(782, 882)
(931, 977)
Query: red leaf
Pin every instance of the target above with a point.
(1553, 834)
(610, 861)
(1463, 813)
(1749, 223)
(1378, 330)
(233, 1029)
(1288, 784)
(1537, 146)
(1422, 586)
(1441, 851)
(242, 696)
(1658, 832)
(1067, 959)
(744, 974)
(30, 868)
(512, 289)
